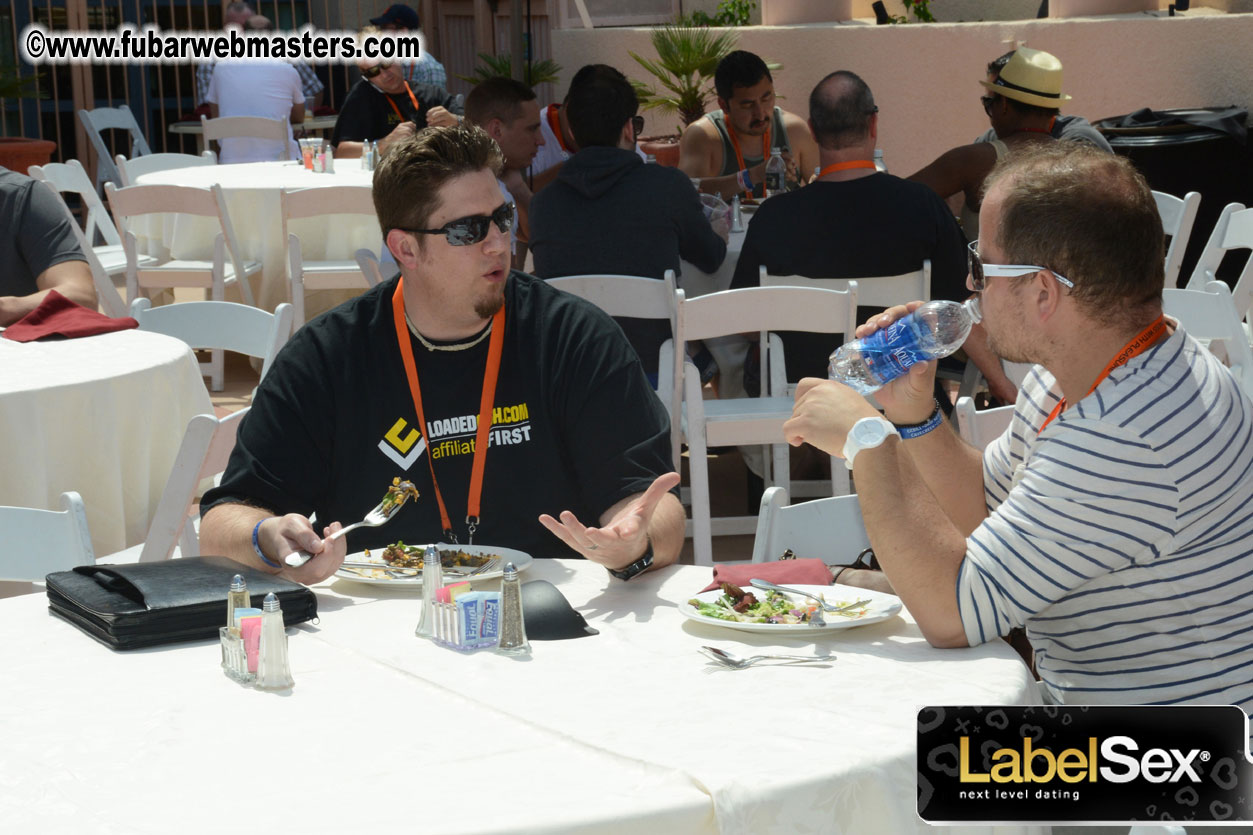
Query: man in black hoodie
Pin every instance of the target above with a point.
(608, 212)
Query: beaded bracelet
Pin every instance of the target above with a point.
(256, 546)
(917, 430)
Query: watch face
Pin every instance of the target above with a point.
(869, 432)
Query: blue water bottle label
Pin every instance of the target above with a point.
(890, 352)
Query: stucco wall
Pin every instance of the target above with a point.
(924, 77)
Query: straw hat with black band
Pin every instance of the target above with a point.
(1031, 76)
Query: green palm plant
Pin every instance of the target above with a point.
(684, 69)
(501, 66)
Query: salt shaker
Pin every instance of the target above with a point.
(273, 670)
(432, 582)
(512, 628)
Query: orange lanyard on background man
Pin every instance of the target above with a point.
(765, 144)
(845, 166)
(492, 371)
(1139, 343)
(417, 108)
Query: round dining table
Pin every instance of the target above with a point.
(101, 415)
(252, 191)
(631, 730)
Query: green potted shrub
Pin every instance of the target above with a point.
(684, 70)
(501, 66)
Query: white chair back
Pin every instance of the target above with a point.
(1234, 230)
(72, 177)
(829, 529)
(1177, 215)
(136, 201)
(39, 542)
(638, 297)
(1210, 314)
(248, 127)
(112, 118)
(368, 261)
(872, 291)
(130, 170)
(750, 421)
(980, 428)
(304, 275)
(221, 325)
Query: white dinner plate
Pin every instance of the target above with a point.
(881, 607)
(520, 560)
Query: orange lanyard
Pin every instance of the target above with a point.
(1139, 343)
(735, 144)
(554, 124)
(845, 166)
(417, 108)
(494, 349)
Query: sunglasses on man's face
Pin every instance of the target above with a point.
(987, 103)
(465, 231)
(375, 71)
(981, 272)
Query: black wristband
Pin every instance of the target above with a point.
(641, 565)
(917, 430)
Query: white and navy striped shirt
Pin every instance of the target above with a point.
(1122, 535)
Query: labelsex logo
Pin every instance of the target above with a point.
(1039, 765)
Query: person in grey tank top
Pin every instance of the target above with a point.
(727, 150)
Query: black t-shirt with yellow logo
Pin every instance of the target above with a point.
(575, 427)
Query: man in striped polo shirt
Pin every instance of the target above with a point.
(1113, 519)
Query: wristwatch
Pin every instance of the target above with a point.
(639, 566)
(867, 433)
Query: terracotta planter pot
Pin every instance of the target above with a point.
(18, 153)
(665, 149)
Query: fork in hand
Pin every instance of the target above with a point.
(378, 516)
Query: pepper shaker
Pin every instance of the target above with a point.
(512, 628)
(273, 669)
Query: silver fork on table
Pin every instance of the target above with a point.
(816, 619)
(378, 516)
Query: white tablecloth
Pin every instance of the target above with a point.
(629, 731)
(102, 415)
(252, 198)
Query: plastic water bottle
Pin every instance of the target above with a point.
(776, 173)
(879, 164)
(934, 330)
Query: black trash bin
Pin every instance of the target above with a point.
(1178, 155)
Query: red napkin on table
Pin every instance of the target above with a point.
(806, 572)
(58, 316)
(324, 110)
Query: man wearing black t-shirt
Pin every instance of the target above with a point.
(383, 107)
(391, 384)
(851, 222)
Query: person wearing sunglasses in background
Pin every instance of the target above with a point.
(571, 455)
(608, 212)
(383, 107)
(1112, 519)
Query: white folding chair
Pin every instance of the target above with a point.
(372, 269)
(829, 529)
(219, 326)
(112, 118)
(248, 127)
(137, 201)
(638, 297)
(1210, 314)
(39, 542)
(130, 170)
(206, 447)
(980, 428)
(302, 275)
(1234, 230)
(876, 291)
(1177, 215)
(752, 420)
